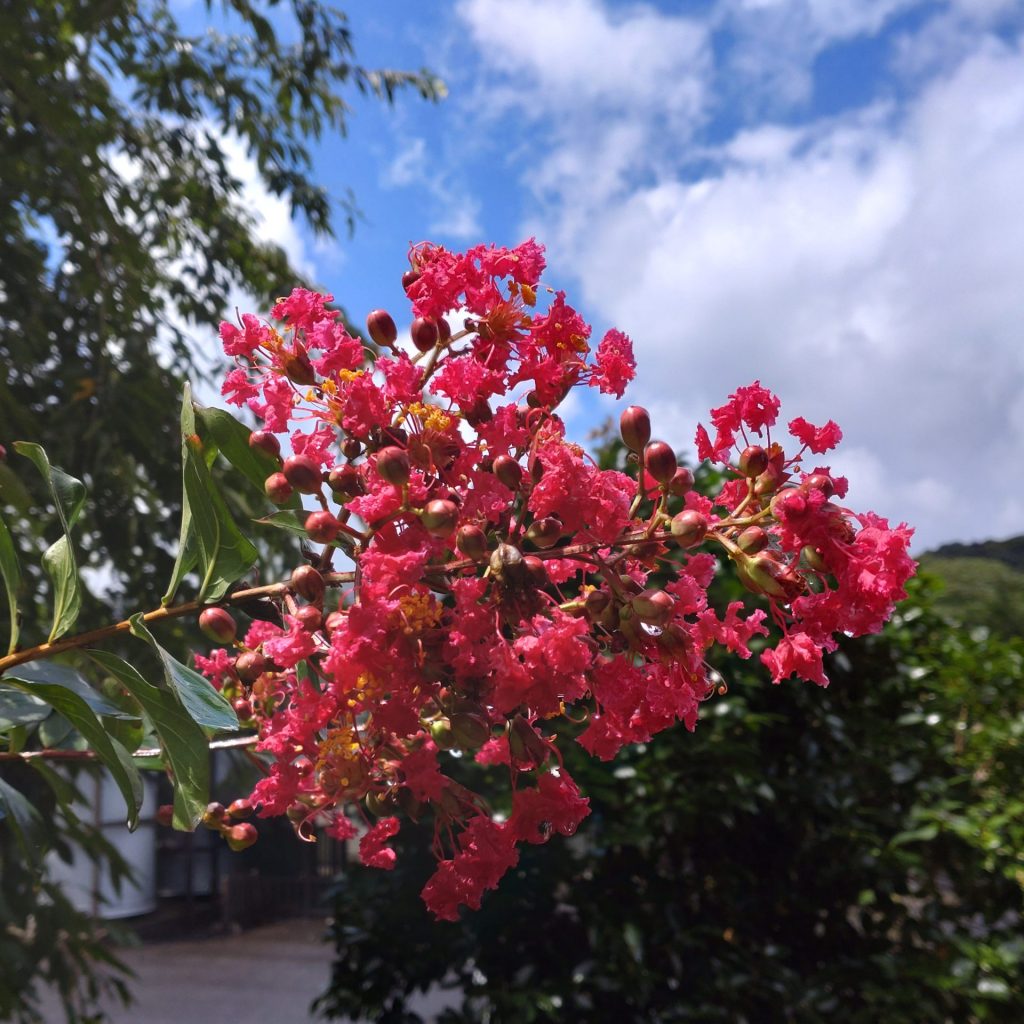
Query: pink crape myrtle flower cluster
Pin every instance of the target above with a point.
(493, 578)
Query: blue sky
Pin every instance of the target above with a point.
(827, 195)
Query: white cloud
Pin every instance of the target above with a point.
(867, 267)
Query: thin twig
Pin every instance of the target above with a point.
(90, 755)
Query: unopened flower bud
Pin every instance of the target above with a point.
(660, 461)
(409, 278)
(424, 333)
(303, 473)
(264, 441)
(477, 413)
(536, 571)
(322, 527)
(444, 331)
(310, 617)
(351, 448)
(240, 809)
(277, 488)
(653, 607)
(242, 709)
(441, 734)
(307, 582)
(440, 517)
(508, 471)
(393, 465)
(214, 815)
(298, 368)
(471, 541)
(753, 460)
(242, 836)
(681, 483)
(752, 540)
(689, 528)
(249, 666)
(165, 815)
(635, 428)
(768, 482)
(765, 574)
(544, 533)
(345, 480)
(506, 559)
(813, 557)
(381, 328)
(218, 625)
(820, 482)
(596, 603)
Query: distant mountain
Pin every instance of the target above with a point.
(984, 583)
(1009, 552)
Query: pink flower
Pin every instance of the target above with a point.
(616, 366)
(818, 439)
(372, 849)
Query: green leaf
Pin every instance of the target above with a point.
(59, 559)
(210, 541)
(23, 819)
(232, 440)
(183, 741)
(18, 708)
(205, 705)
(76, 710)
(12, 581)
(284, 520)
(61, 675)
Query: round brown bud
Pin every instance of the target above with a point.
(303, 473)
(165, 815)
(298, 368)
(277, 488)
(345, 480)
(635, 427)
(240, 809)
(470, 731)
(813, 557)
(264, 441)
(681, 483)
(218, 625)
(381, 328)
(689, 528)
(653, 607)
(544, 533)
(310, 616)
(506, 559)
(471, 541)
(322, 527)
(660, 461)
(249, 666)
(444, 331)
(477, 413)
(753, 460)
(242, 836)
(820, 482)
(752, 540)
(424, 333)
(441, 734)
(393, 465)
(440, 517)
(409, 278)
(351, 448)
(242, 708)
(307, 582)
(508, 471)
(536, 571)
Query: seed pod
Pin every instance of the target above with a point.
(506, 560)
(544, 533)
(264, 441)
(471, 541)
(298, 368)
(596, 603)
(303, 473)
(752, 540)
(440, 517)
(441, 734)
(240, 809)
(310, 616)
(681, 483)
(470, 731)
(689, 528)
(527, 750)
(218, 625)
(277, 488)
(660, 461)
(393, 465)
(307, 582)
(653, 607)
(508, 471)
(635, 427)
(249, 666)
(768, 482)
(322, 527)
(381, 328)
(536, 571)
(242, 836)
(424, 333)
(813, 557)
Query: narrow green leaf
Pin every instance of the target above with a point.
(205, 705)
(75, 709)
(17, 708)
(232, 440)
(23, 820)
(12, 581)
(210, 540)
(183, 741)
(61, 675)
(286, 520)
(59, 559)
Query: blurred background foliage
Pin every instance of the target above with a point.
(126, 142)
(850, 854)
